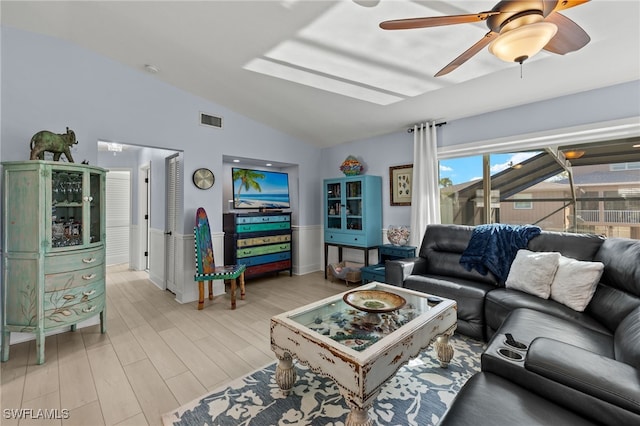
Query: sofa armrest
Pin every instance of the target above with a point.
(603, 378)
(396, 271)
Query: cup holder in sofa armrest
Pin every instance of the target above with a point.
(515, 345)
(510, 341)
(510, 354)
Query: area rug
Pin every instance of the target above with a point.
(418, 394)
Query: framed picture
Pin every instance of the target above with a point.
(400, 178)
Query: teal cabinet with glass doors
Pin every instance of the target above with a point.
(53, 248)
(353, 211)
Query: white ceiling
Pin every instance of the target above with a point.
(357, 80)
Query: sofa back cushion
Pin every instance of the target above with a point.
(627, 339)
(576, 246)
(443, 245)
(619, 290)
(621, 258)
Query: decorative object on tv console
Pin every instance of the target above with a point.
(351, 166)
(58, 144)
(398, 234)
(260, 189)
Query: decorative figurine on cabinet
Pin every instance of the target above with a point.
(58, 144)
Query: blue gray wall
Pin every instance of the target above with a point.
(51, 84)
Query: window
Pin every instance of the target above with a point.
(624, 166)
(523, 205)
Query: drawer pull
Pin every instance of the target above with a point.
(88, 293)
(89, 309)
(88, 277)
(89, 260)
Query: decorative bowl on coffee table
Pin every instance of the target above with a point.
(374, 302)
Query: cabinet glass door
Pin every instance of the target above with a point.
(334, 205)
(66, 209)
(354, 205)
(94, 203)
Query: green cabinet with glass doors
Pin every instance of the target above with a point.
(353, 211)
(53, 248)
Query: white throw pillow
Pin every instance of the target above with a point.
(533, 272)
(575, 282)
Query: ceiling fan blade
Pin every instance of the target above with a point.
(570, 36)
(435, 21)
(468, 54)
(566, 4)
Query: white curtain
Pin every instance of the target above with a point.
(425, 200)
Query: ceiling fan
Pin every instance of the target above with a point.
(517, 30)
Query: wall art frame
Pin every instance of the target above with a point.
(400, 183)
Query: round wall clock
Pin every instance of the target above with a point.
(203, 178)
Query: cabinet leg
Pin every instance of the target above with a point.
(40, 348)
(210, 290)
(6, 340)
(73, 327)
(326, 261)
(103, 320)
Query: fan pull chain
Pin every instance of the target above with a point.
(520, 70)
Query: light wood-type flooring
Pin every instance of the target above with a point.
(156, 355)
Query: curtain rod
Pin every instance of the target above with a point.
(410, 129)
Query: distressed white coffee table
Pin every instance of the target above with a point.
(340, 342)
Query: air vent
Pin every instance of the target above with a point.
(210, 120)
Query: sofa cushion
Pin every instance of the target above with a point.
(627, 340)
(609, 305)
(501, 301)
(533, 272)
(621, 257)
(488, 399)
(469, 295)
(575, 282)
(443, 245)
(527, 324)
(609, 381)
(576, 246)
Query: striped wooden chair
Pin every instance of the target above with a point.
(206, 270)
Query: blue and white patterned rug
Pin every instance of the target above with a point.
(418, 394)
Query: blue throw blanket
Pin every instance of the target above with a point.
(493, 247)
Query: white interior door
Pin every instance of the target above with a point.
(118, 219)
(172, 180)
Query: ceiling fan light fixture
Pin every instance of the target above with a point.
(523, 42)
(573, 155)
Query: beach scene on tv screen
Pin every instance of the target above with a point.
(255, 189)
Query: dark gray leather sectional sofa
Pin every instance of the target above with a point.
(573, 367)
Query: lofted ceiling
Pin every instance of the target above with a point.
(323, 71)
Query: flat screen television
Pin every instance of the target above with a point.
(260, 189)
